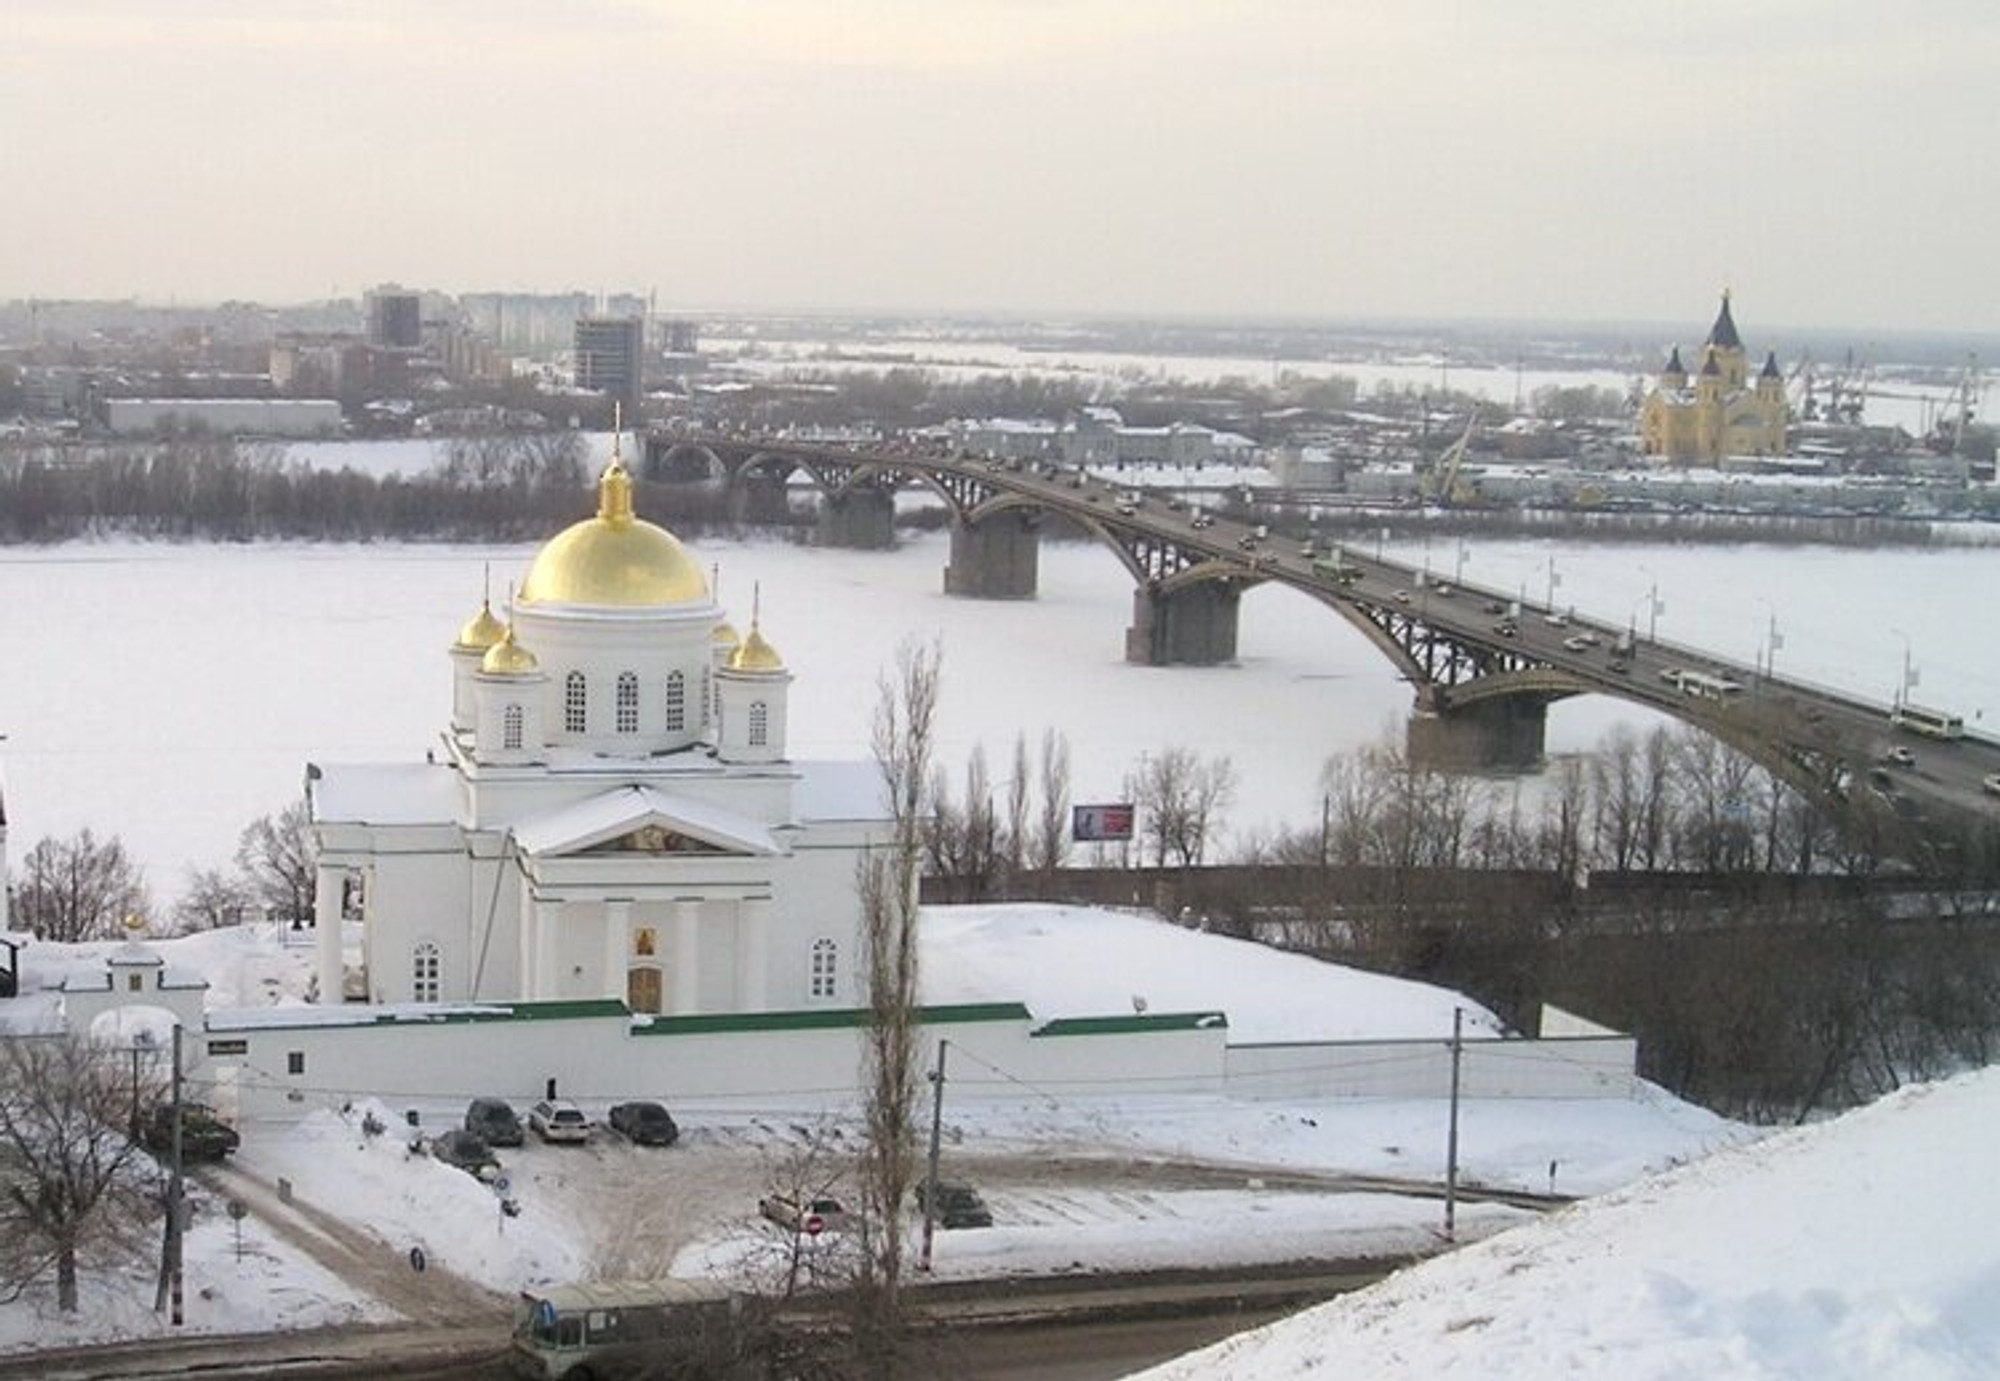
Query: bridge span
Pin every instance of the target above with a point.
(1484, 665)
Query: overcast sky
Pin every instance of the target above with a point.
(1831, 160)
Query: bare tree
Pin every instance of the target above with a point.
(278, 860)
(1179, 797)
(1014, 832)
(78, 888)
(74, 1188)
(1051, 843)
(904, 739)
(212, 898)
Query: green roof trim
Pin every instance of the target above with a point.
(818, 1019)
(414, 1017)
(1132, 1025)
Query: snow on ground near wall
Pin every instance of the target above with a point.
(1085, 1232)
(1075, 961)
(409, 1199)
(1862, 1247)
(268, 1287)
(1589, 1144)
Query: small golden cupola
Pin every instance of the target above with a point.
(482, 630)
(750, 694)
(508, 658)
(754, 653)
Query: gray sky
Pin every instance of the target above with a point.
(1831, 160)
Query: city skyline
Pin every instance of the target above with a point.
(1438, 161)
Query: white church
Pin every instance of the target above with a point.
(612, 814)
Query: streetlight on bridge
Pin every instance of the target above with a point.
(1911, 673)
(1654, 608)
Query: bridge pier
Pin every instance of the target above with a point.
(1193, 625)
(859, 519)
(1507, 733)
(997, 559)
(761, 497)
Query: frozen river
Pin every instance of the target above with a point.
(170, 694)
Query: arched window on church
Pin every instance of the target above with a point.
(576, 717)
(824, 977)
(426, 973)
(676, 702)
(510, 727)
(760, 724)
(628, 702)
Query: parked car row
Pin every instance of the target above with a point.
(491, 1122)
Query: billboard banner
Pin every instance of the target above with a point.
(1100, 824)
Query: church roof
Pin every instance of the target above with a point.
(615, 559)
(618, 812)
(1674, 365)
(1770, 370)
(1723, 333)
(840, 790)
(384, 793)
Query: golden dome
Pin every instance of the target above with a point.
(482, 630)
(725, 635)
(614, 558)
(754, 654)
(508, 658)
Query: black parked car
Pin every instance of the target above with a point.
(467, 1151)
(204, 1136)
(958, 1205)
(493, 1121)
(644, 1124)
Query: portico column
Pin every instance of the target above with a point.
(687, 957)
(617, 945)
(327, 888)
(753, 953)
(544, 983)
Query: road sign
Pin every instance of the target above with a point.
(501, 1184)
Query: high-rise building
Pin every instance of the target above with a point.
(610, 358)
(395, 319)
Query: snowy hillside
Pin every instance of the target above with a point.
(1074, 961)
(1860, 1248)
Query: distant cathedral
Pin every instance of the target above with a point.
(1719, 411)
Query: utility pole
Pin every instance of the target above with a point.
(931, 1172)
(168, 1296)
(1451, 1137)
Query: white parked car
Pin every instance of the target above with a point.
(558, 1119)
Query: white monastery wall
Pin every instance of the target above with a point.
(1582, 1067)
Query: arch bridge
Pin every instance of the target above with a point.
(1484, 665)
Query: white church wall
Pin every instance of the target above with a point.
(591, 1049)
(1562, 1068)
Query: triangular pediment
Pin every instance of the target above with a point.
(644, 821)
(656, 837)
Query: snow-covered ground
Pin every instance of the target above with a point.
(1861, 1248)
(1075, 1184)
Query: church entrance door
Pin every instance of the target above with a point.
(642, 990)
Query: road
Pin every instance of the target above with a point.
(1069, 1329)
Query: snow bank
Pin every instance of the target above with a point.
(1859, 1248)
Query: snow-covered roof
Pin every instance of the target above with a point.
(422, 793)
(616, 812)
(844, 790)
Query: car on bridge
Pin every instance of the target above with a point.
(1990, 783)
(1900, 756)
